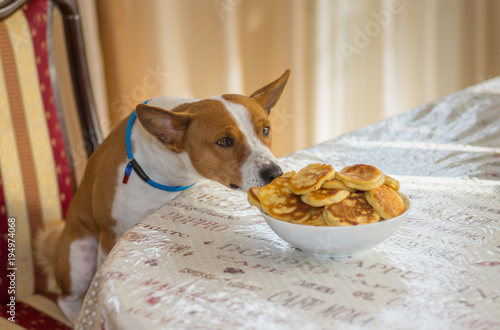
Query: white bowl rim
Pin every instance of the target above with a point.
(406, 201)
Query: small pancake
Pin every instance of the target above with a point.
(391, 182)
(283, 181)
(278, 201)
(310, 178)
(288, 175)
(336, 184)
(252, 196)
(353, 210)
(361, 177)
(315, 218)
(386, 201)
(322, 197)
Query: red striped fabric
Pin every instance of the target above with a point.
(36, 14)
(19, 123)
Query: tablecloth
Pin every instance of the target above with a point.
(208, 260)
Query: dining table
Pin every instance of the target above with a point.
(209, 260)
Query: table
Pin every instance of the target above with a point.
(207, 260)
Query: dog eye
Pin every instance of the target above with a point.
(225, 142)
(266, 130)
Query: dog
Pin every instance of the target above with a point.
(165, 146)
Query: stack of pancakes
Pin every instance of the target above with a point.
(319, 196)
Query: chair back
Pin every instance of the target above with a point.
(36, 172)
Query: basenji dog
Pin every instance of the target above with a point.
(165, 146)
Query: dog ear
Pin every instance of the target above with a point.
(269, 95)
(166, 126)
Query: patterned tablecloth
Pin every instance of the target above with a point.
(208, 260)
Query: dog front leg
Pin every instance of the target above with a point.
(74, 272)
(107, 240)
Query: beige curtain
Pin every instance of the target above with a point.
(353, 62)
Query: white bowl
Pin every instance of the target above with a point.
(334, 241)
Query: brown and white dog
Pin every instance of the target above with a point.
(177, 143)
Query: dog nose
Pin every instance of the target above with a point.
(270, 172)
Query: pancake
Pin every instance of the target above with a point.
(278, 201)
(287, 175)
(353, 210)
(322, 197)
(336, 184)
(386, 201)
(315, 218)
(361, 177)
(253, 197)
(391, 182)
(310, 178)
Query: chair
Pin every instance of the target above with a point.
(36, 171)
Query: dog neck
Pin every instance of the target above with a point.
(165, 169)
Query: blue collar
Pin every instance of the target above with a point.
(133, 164)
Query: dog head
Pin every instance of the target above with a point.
(227, 137)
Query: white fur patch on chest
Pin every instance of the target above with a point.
(135, 200)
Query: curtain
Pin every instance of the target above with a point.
(353, 62)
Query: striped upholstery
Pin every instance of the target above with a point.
(35, 176)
